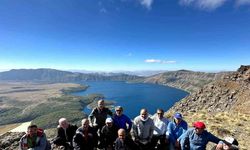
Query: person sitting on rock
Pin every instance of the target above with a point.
(34, 139)
(98, 115)
(175, 129)
(197, 138)
(121, 120)
(85, 137)
(143, 129)
(65, 133)
(229, 143)
(108, 135)
(123, 142)
(159, 134)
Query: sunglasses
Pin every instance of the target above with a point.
(118, 110)
(159, 113)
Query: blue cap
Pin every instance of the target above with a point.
(177, 116)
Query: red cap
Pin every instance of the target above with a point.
(199, 125)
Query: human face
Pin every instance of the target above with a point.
(109, 124)
(101, 104)
(160, 114)
(85, 124)
(144, 114)
(199, 130)
(177, 120)
(118, 112)
(64, 124)
(32, 131)
(121, 135)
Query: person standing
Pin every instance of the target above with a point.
(159, 134)
(98, 115)
(121, 120)
(143, 130)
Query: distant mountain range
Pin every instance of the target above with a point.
(182, 79)
(53, 75)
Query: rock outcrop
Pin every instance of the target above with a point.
(10, 140)
(232, 93)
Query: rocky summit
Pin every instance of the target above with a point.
(232, 93)
(223, 105)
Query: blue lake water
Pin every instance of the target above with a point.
(134, 96)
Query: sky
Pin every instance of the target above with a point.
(109, 35)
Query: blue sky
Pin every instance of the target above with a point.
(108, 35)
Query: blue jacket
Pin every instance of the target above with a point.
(197, 142)
(174, 131)
(121, 121)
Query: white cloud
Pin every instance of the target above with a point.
(242, 2)
(203, 4)
(159, 61)
(146, 3)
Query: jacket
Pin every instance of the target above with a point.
(122, 121)
(174, 131)
(197, 142)
(39, 144)
(62, 138)
(143, 130)
(85, 139)
(98, 117)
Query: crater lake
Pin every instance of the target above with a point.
(134, 96)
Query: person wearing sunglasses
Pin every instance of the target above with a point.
(159, 134)
(121, 121)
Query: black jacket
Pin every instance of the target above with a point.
(85, 141)
(62, 139)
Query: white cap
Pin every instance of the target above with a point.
(108, 120)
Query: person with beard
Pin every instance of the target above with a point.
(143, 130)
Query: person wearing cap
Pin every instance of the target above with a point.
(98, 115)
(196, 138)
(143, 129)
(121, 120)
(229, 143)
(108, 135)
(159, 134)
(175, 129)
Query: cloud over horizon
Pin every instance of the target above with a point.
(159, 61)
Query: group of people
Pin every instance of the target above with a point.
(118, 132)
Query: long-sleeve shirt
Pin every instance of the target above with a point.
(160, 125)
(122, 121)
(174, 131)
(197, 141)
(143, 130)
